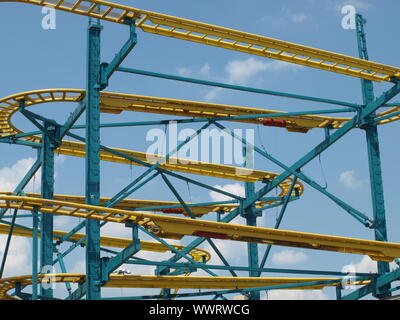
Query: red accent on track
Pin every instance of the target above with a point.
(273, 123)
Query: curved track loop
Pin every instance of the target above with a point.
(212, 35)
(168, 282)
(198, 255)
(176, 227)
(148, 205)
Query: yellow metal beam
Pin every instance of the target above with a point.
(128, 204)
(111, 102)
(169, 282)
(175, 227)
(216, 36)
(199, 255)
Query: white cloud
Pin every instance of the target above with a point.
(288, 257)
(241, 72)
(18, 258)
(11, 176)
(349, 180)
(296, 295)
(358, 4)
(233, 251)
(184, 72)
(366, 265)
(297, 17)
(212, 95)
(205, 69)
(234, 188)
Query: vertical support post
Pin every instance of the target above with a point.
(250, 215)
(93, 272)
(47, 191)
(374, 160)
(35, 233)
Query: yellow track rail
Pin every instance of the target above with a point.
(207, 34)
(128, 204)
(199, 255)
(168, 282)
(111, 102)
(176, 228)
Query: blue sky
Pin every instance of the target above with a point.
(33, 58)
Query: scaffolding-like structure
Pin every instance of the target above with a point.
(179, 219)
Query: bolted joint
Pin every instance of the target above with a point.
(103, 75)
(104, 275)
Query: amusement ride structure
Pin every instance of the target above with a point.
(163, 220)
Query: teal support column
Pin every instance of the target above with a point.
(35, 248)
(250, 215)
(374, 160)
(47, 191)
(93, 270)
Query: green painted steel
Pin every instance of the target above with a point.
(93, 280)
(374, 160)
(47, 192)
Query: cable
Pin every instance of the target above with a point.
(259, 138)
(322, 171)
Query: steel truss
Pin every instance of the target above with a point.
(134, 214)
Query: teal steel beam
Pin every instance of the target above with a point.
(278, 221)
(93, 276)
(250, 214)
(73, 117)
(110, 264)
(221, 256)
(198, 265)
(8, 241)
(108, 69)
(35, 253)
(126, 191)
(200, 204)
(374, 161)
(173, 174)
(380, 282)
(25, 180)
(207, 293)
(63, 270)
(195, 120)
(387, 116)
(177, 195)
(34, 145)
(235, 87)
(297, 173)
(327, 142)
(47, 192)
(173, 249)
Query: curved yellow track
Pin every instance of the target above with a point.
(176, 228)
(199, 255)
(168, 282)
(216, 36)
(129, 204)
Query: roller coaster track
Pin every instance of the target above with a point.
(168, 282)
(151, 205)
(176, 228)
(167, 226)
(203, 33)
(198, 255)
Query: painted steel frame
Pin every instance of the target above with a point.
(98, 268)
